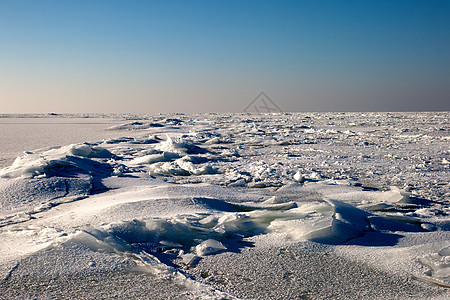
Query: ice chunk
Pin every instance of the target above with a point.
(168, 168)
(190, 259)
(185, 164)
(119, 170)
(29, 165)
(86, 150)
(439, 265)
(395, 195)
(36, 164)
(305, 227)
(209, 247)
(299, 177)
(179, 146)
(153, 158)
(170, 145)
(273, 200)
(334, 222)
(180, 167)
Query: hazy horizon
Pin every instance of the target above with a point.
(202, 56)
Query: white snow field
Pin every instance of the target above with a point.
(232, 206)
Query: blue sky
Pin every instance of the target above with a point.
(200, 56)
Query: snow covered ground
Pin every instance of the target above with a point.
(233, 206)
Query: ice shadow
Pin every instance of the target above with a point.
(375, 239)
(87, 169)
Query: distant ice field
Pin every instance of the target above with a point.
(29, 133)
(226, 206)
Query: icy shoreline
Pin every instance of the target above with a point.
(190, 198)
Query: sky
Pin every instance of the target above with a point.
(143, 56)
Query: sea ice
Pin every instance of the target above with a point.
(221, 184)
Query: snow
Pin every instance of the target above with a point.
(192, 199)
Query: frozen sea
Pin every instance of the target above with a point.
(225, 206)
(24, 133)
